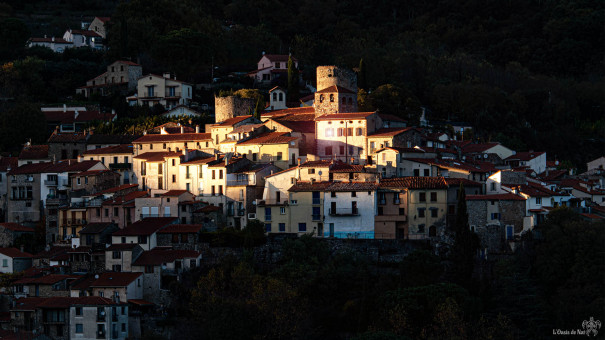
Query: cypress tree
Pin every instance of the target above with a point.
(361, 76)
(292, 81)
(465, 244)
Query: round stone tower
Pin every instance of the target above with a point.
(232, 106)
(333, 75)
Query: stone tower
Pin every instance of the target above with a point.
(336, 90)
(232, 106)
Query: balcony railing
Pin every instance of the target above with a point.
(51, 182)
(120, 166)
(344, 212)
(173, 94)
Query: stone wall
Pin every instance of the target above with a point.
(333, 75)
(232, 106)
(512, 212)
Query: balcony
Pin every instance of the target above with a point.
(51, 182)
(173, 94)
(344, 212)
(120, 166)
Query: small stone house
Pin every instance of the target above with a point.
(9, 232)
(14, 261)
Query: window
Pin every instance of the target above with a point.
(174, 161)
(302, 227)
(279, 156)
(311, 171)
(79, 327)
(328, 151)
(509, 232)
(142, 239)
(116, 255)
(220, 174)
(149, 269)
(421, 212)
(267, 214)
(359, 132)
(538, 200)
(78, 311)
(353, 194)
(341, 149)
(329, 132)
(401, 211)
(331, 98)
(116, 268)
(421, 229)
(422, 197)
(416, 172)
(213, 174)
(380, 210)
(268, 227)
(426, 173)
(333, 194)
(282, 210)
(220, 189)
(434, 212)
(493, 186)
(340, 132)
(78, 180)
(349, 131)
(282, 227)
(173, 178)
(495, 216)
(433, 197)
(115, 211)
(123, 326)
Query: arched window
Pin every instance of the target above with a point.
(274, 96)
(321, 98)
(331, 98)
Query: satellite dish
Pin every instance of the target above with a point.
(96, 276)
(485, 156)
(319, 172)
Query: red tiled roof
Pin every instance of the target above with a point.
(402, 150)
(159, 256)
(94, 173)
(158, 156)
(335, 88)
(43, 280)
(389, 132)
(448, 164)
(269, 138)
(104, 19)
(8, 162)
(181, 229)
(324, 163)
(34, 152)
(95, 228)
(351, 115)
(414, 183)
(173, 193)
(27, 304)
(111, 150)
(16, 227)
(552, 174)
(14, 252)
(592, 216)
(34, 168)
(455, 182)
(87, 33)
(536, 190)
(497, 197)
(309, 186)
(121, 246)
(118, 188)
(281, 172)
(232, 121)
(175, 137)
(338, 166)
(146, 226)
(524, 156)
(476, 148)
(52, 253)
(205, 160)
(127, 62)
(125, 198)
(290, 111)
(208, 209)
(67, 137)
(109, 279)
(140, 302)
(390, 118)
(279, 57)
(304, 123)
(352, 186)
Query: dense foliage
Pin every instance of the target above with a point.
(317, 292)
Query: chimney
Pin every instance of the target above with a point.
(163, 131)
(113, 111)
(298, 161)
(22, 249)
(80, 158)
(197, 129)
(53, 39)
(76, 113)
(144, 132)
(167, 75)
(182, 129)
(64, 105)
(216, 157)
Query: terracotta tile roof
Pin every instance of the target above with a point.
(252, 168)
(62, 302)
(281, 172)
(177, 130)
(98, 138)
(146, 226)
(304, 124)
(389, 132)
(14, 253)
(335, 88)
(455, 182)
(34, 152)
(208, 209)
(111, 150)
(106, 19)
(279, 57)
(592, 216)
(204, 160)
(140, 302)
(536, 190)
(127, 62)
(65, 137)
(43, 280)
(72, 165)
(324, 163)
(448, 164)
(175, 137)
(289, 111)
(351, 115)
(309, 186)
(95, 228)
(16, 227)
(497, 197)
(524, 156)
(338, 166)
(174, 193)
(477, 148)
(8, 162)
(126, 198)
(220, 163)
(181, 229)
(51, 40)
(403, 150)
(110, 279)
(94, 173)
(118, 188)
(246, 128)
(34, 168)
(158, 256)
(270, 138)
(51, 253)
(352, 186)
(414, 183)
(158, 156)
(232, 121)
(553, 174)
(27, 304)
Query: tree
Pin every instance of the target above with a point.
(465, 244)
(13, 38)
(293, 79)
(254, 94)
(362, 78)
(14, 132)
